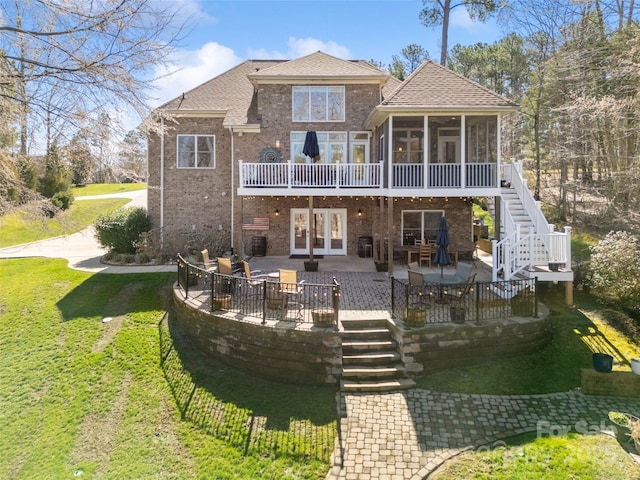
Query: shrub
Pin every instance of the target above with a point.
(63, 200)
(615, 267)
(120, 230)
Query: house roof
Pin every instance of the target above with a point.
(231, 95)
(320, 67)
(432, 85)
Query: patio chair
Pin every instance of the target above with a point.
(225, 284)
(206, 262)
(425, 254)
(460, 294)
(417, 287)
(293, 289)
(253, 276)
(414, 266)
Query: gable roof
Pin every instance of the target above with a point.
(230, 94)
(321, 67)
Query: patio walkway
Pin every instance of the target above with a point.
(408, 435)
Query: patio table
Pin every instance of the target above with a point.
(440, 281)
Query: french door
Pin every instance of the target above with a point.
(330, 226)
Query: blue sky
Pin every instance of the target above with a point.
(225, 33)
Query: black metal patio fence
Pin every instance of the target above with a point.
(482, 302)
(266, 298)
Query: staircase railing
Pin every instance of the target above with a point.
(519, 250)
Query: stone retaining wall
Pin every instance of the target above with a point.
(616, 383)
(283, 353)
(438, 346)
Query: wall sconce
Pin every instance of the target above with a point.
(359, 212)
(277, 212)
(277, 143)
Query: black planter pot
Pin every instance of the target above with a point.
(382, 266)
(602, 362)
(554, 266)
(310, 266)
(457, 314)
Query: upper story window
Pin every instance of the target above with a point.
(408, 140)
(318, 104)
(196, 151)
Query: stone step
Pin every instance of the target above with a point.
(386, 358)
(373, 372)
(349, 346)
(380, 386)
(360, 324)
(367, 334)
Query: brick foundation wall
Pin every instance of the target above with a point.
(615, 383)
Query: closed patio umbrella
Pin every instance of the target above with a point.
(311, 147)
(442, 257)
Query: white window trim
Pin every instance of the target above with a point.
(326, 119)
(212, 167)
(347, 144)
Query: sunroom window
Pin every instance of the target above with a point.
(196, 151)
(318, 104)
(482, 139)
(408, 140)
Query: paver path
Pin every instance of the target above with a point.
(407, 435)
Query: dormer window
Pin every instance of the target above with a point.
(318, 104)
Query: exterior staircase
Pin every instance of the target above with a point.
(529, 246)
(370, 358)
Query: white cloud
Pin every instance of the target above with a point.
(299, 47)
(460, 19)
(191, 68)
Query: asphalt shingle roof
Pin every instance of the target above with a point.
(432, 85)
(429, 86)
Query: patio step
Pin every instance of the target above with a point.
(382, 386)
(370, 358)
(387, 358)
(374, 371)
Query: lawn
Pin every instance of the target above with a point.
(24, 226)
(87, 398)
(106, 188)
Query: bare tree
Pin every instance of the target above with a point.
(96, 56)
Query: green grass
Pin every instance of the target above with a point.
(23, 227)
(85, 398)
(106, 188)
(577, 333)
(574, 456)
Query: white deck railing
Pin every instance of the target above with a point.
(300, 175)
(366, 175)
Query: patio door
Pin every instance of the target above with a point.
(330, 231)
(449, 145)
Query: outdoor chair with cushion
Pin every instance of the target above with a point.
(206, 262)
(293, 289)
(414, 266)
